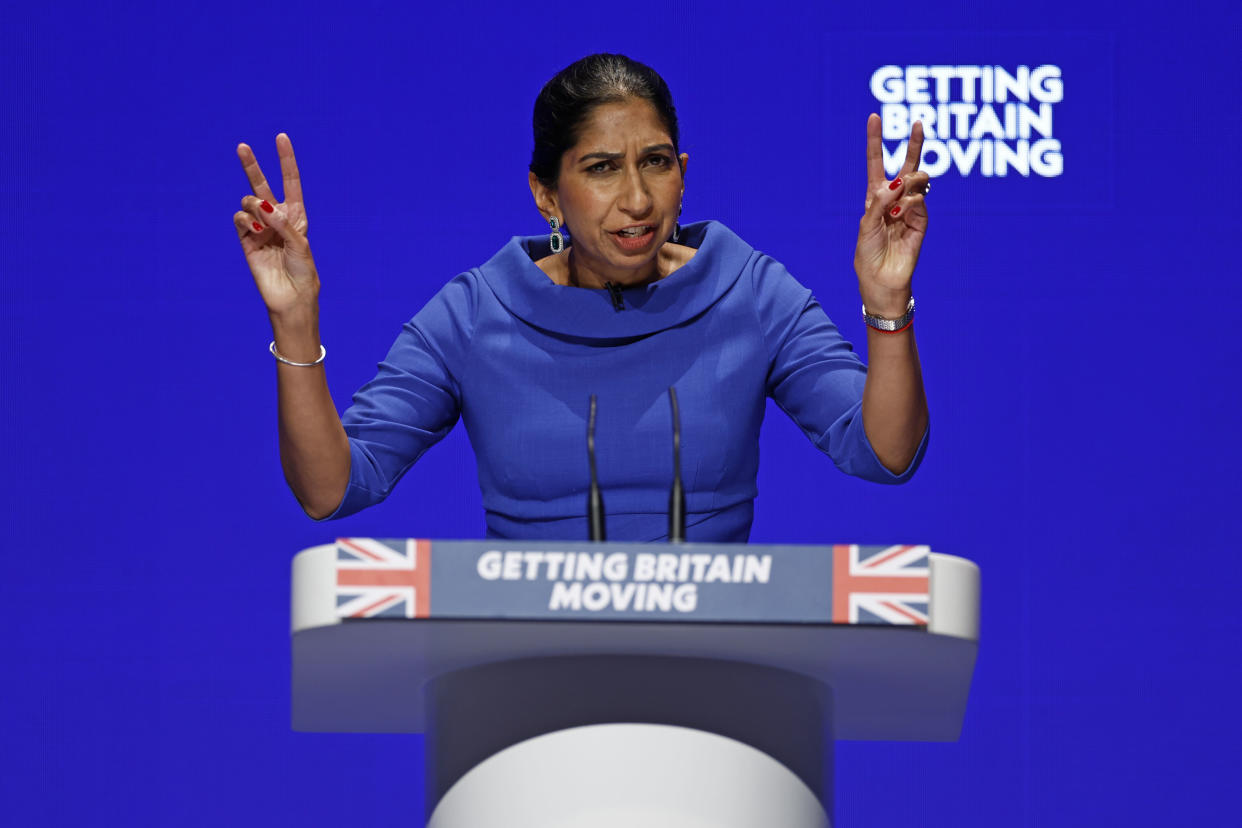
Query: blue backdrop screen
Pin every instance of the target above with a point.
(1076, 297)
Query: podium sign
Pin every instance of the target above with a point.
(689, 582)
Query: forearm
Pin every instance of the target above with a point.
(890, 236)
(894, 406)
(314, 451)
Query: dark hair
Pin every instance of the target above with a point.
(567, 100)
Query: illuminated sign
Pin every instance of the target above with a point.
(977, 120)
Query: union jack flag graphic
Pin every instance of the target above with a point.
(880, 584)
(383, 578)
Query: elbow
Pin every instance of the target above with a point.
(903, 464)
(322, 503)
(319, 484)
(318, 513)
(898, 459)
(898, 464)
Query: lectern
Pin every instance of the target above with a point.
(622, 684)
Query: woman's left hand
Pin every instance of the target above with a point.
(892, 228)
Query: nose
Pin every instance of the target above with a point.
(635, 198)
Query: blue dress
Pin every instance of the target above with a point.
(517, 358)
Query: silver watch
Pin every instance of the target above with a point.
(890, 325)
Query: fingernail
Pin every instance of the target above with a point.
(894, 211)
(896, 183)
(258, 227)
(267, 208)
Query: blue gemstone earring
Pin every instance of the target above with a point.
(556, 241)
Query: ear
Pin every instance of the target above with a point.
(545, 198)
(683, 159)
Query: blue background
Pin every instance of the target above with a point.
(1079, 339)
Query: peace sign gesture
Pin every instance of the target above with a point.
(893, 225)
(273, 235)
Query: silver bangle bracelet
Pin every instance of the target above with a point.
(890, 325)
(323, 352)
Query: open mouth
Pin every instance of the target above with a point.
(636, 240)
(635, 232)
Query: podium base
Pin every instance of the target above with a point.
(623, 775)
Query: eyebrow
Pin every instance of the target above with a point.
(611, 156)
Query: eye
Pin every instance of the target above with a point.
(659, 161)
(601, 167)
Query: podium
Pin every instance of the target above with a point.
(602, 684)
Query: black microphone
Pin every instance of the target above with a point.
(595, 500)
(677, 497)
(614, 293)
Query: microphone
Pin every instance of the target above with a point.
(676, 497)
(614, 293)
(595, 500)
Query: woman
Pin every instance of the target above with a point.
(625, 307)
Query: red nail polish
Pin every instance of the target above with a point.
(267, 208)
(895, 211)
(258, 227)
(896, 183)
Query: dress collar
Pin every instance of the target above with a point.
(530, 295)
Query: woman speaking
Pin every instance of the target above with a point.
(618, 301)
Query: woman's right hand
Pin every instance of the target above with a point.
(273, 236)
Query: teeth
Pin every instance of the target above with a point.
(633, 231)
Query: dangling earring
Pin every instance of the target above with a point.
(677, 225)
(556, 241)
